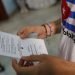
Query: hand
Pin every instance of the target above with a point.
(40, 30)
(47, 65)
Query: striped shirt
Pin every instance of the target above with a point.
(67, 47)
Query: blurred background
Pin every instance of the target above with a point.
(16, 14)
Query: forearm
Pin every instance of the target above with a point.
(68, 68)
(64, 67)
(61, 67)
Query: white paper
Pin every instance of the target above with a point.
(13, 46)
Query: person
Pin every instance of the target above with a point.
(64, 64)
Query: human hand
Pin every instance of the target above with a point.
(48, 65)
(26, 31)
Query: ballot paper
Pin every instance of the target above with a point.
(15, 47)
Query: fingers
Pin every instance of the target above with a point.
(17, 67)
(23, 70)
(21, 62)
(20, 32)
(35, 58)
(29, 60)
(23, 33)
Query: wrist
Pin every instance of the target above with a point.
(53, 28)
(50, 28)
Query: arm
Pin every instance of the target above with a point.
(42, 31)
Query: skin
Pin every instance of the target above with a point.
(48, 65)
(40, 30)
